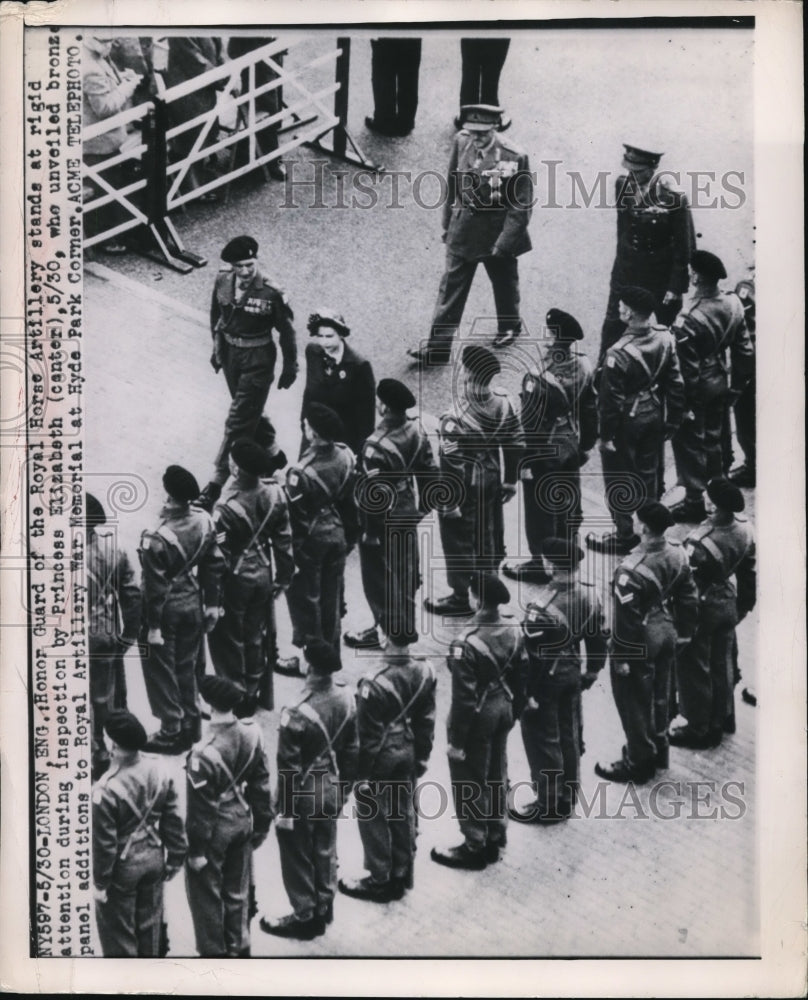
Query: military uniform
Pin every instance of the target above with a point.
(137, 835)
(395, 458)
(641, 399)
(655, 240)
(320, 491)
(704, 670)
(396, 719)
(551, 719)
(656, 601)
(317, 755)
(182, 573)
(708, 327)
(229, 809)
(242, 320)
(251, 517)
(745, 407)
(485, 219)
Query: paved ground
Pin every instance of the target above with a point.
(622, 881)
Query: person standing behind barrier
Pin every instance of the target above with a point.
(229, 814)
(394, 67)
(482, 62)
(268, 104)
(317, 754)
(138, 843)
(182, 574)
(251, 516)
(245, 308)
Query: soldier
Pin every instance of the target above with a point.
(251, 517)
(719, 549)
(114, 618)
(138, 843)
(655, 613)
(396, 718)
(182, 573)
(320, 490)
(229, 814)
(641, 399)
(711, 323)
(485, 219)
(246, 307)
(655, 240)
(485, 663)
(565, 613)
(559, 419)
(745, 406)
(317, 753)
(395, 458)
(482, 425)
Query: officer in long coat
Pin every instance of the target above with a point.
(485, 218)
(563, 615)
(182, 576)
(229, 814)
(397, 473)
(485, 662)
(253, 531)
(721, 548)
(317, 755)
(480, 449)
(640, 404)
(711, 324)
(656, 608)
(396, 718)
(138, 843)
(246, 308)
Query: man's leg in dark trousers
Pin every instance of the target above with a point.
(690, 455)
(504, 275)
(542, 739)
(694, 679)
(634, 698)
(372, 563)
(408, 64)
(539, 521)
(471, 792)
(457, 537)
(492, 58)
(400, 580)
(249, 373)
(331, 586)
(137, 881)
(744, 410)
(497, 780)
(383, 81)
(622, 485)
(297, 867)
(453, 292)
(303, 598)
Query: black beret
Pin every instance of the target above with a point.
(395, 394)
(564, 326)
(328, 317)
(93, 511)
(562, 553)
(221, 693)
(250, 457)
(656, 516)
(240, 248)
(490, 589)
(322, 656)
(726, 495)
(180, 484)
(708, 265)
(639, 299)
(125, 729)
(324, 421)
(481, 362)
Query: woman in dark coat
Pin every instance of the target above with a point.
(339, 378)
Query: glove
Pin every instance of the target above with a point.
(589, 679)
(284, 823)
(155, 637)
(215, 364)
(99, 895)
(455, 753)
(288, 376)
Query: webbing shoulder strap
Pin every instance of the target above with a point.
(142, 818)
(311, 713)
(235, 780)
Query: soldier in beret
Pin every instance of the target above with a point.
(245, 308)
(138, 843)
(656, 608)
(711, 324)
(485, 219)
(397, 472)
(317, 753)
(477, 481)
(655, 240)
(182, 578)
(721, 548)
(229, 814)
(486, 664)
(253, 531)
(565, 613)
(640, 401)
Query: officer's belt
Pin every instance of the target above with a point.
(248, 341)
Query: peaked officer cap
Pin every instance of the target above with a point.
(126, 730)
(250, 457)
(240, 248)
(726, 495)
(328, 317)
(481, 362)
(639, 299)
(395, 394)
(563, 325)
(93, 511)
(180, 484)
(656, 516)
(322, 656)
(480, 117)
(562, 553)
(324, 421)
(633, 156)
(708, 264)
(490, 589)
(220, 692)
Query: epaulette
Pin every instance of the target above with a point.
(225, 268)
(632, 561)
(510, 147)
(702, 531)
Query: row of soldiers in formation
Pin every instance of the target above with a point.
(673, 605)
